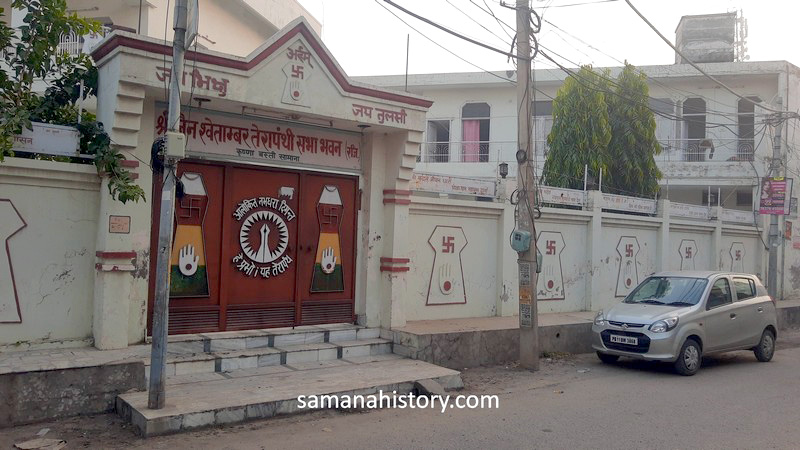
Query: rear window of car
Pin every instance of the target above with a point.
(745, 288)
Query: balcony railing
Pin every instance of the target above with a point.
(74, 45)
(707, 150)
(673, 150)
(474, 152)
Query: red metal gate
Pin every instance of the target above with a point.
(259, 248)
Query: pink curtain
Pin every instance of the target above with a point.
(470, 135)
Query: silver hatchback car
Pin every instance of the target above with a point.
(680, 316)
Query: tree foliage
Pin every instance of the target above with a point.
(633, 136)
(608, 128)
(581, 131)
(30, 54)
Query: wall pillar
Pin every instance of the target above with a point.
(594, 245)
(662, 262)
(123, 232)
(392, 161)
(716, 239)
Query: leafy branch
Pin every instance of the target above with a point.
(30, 53)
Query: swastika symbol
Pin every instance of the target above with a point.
(297, 71)
(688, 252)
(628, 250)
(738, 255)
(329, 215)
(551, 247)
(448, 244)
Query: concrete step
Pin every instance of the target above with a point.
(269, 337)
(196, 401)
(229, 360)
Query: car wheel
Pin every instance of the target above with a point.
(766, 347)
(608, 359)
(689, 358)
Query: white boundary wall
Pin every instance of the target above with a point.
(592, 255)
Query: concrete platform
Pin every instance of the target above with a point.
(257, 395)
(483, 341)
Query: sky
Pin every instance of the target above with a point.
(367, 39)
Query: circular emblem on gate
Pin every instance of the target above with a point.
(263, 236)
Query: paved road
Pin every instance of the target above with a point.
(734, 402)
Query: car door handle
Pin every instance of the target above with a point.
(760, 309)
(733, 315)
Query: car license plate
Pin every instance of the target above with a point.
(624, 340)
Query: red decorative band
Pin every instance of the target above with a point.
(396, 192)
(116, 255)
(129, 163)
(395, 260)
(399, 201)
(236, 63)
(394, 269)
(115, 267)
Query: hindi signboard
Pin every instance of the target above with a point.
(48, 139)
(446, 184)
(689, 211)
(776, 193)
(737, 216)
(257, 140)
(562, 196)
(630, 204)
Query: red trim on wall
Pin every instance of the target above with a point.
(396, 192)
(161, 49)
(114, 267)
(394, 269)
(129, 163)
(115, 255)
(395, 260)
(399, 201)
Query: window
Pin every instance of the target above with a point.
(542, 124)
(714, 198)
(744, 198)
(694, 115)
(475, 132)
(745, 149)
(720, 294)
(542, 108)
(438, 141)
(673, 291)
(745, 288)
(665, 128)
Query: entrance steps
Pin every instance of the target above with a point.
(93, 378)
(207, 399)
(236, 350)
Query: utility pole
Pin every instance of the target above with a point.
(174, 151)
(774, 166)
(528, 316)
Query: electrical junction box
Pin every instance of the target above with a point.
(176, 145)
(520, 241)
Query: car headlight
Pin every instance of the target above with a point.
(599, 319)
(661, 326)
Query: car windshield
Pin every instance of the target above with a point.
(672, 291)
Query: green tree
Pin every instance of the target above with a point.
(30, 53)
(633, 136)
(581, 131)
(608, 129)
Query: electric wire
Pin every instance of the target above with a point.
(721, 84)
